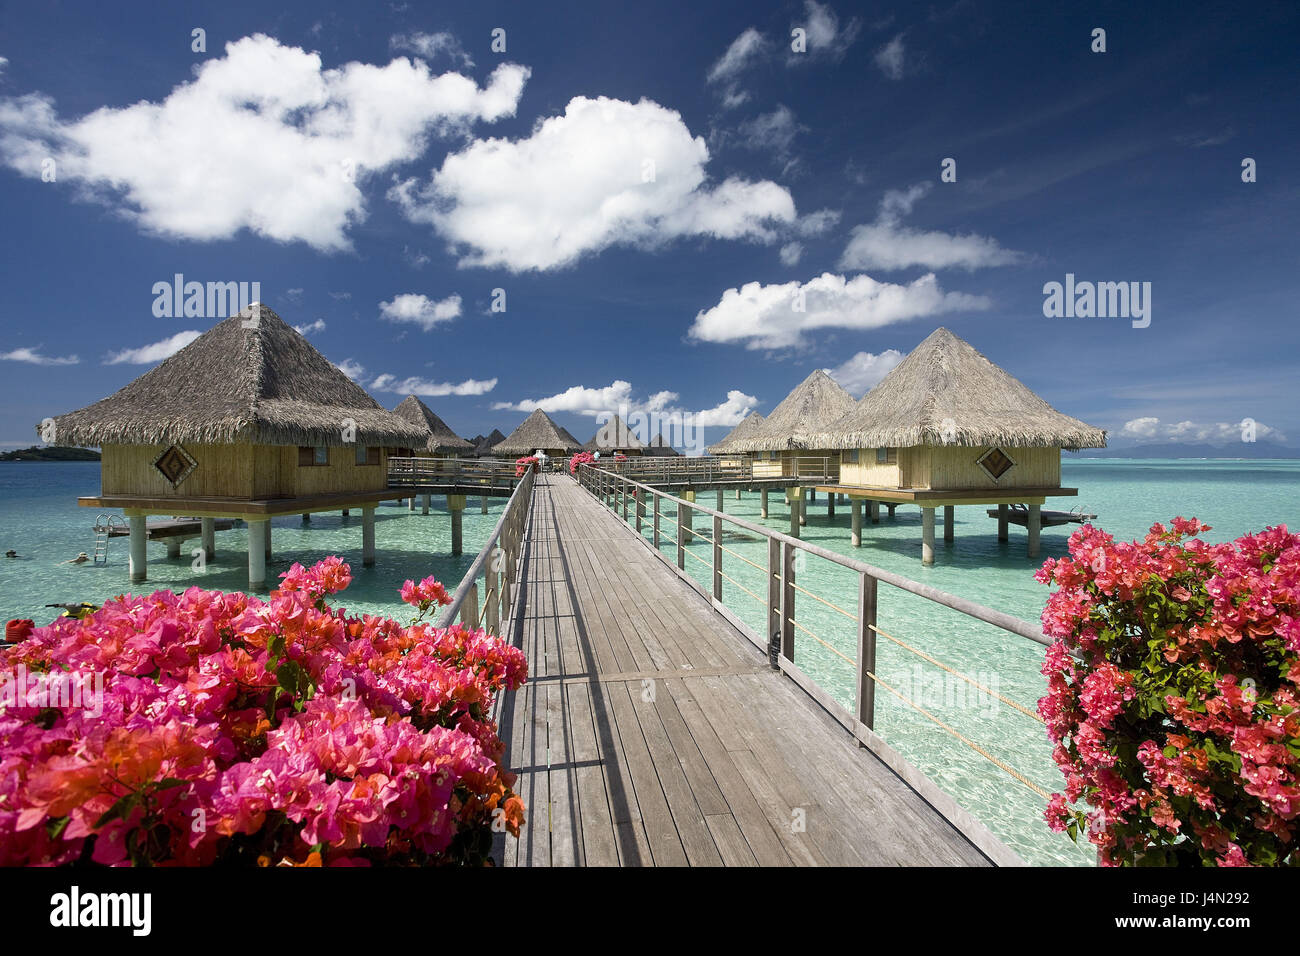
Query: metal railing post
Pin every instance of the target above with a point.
(866, 698)
(681, 536)
(787, 602)
(655, 520)
(469, 609)
(717, 558)
(773, 598)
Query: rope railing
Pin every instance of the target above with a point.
(496, 564)
(610, 487)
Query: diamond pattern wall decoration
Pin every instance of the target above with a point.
(175, 464)
(995, 463)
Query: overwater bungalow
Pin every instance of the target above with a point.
(659, 448)
(247, 421)
(615, 438)
(782, 446)
(442, 442)
(483, 446)
(538, 433)
(725, 448)
(948, 427)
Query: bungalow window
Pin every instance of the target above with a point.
(367, 456)
(886, 456)
(309, 456)
(851, 456)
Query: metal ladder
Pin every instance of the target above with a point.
(104, 523)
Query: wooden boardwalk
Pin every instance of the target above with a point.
(652, 733)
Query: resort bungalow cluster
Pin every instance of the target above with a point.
(945, 427)
(250, 422)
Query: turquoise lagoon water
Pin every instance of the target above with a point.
(39, 519)
(1233, 496)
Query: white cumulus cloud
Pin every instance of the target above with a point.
(428, 389)
(606, 172)
(155, 351)
(311, 327)
(33, 356)
(890, 58)
(861, 372)
(888, 244)
(778, 315)
(351, 368)
(826, 37)
(618, 398)
(431, 45)
(264, 138)
(1152, 429)
(420, 309)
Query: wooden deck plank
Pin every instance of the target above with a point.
(709, 770)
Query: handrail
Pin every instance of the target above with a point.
(485, 472)
(723, 468)
(609, 488)
(988, 615)
(504, 544)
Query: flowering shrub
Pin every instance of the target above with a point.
(239, 731)
(580, 459)
(1172, 695)
(523, 464)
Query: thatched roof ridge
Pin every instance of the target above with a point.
(537, 431)
(484, 446)
(747, 426)
(261, 383)
(614, 434)
(440, 437)
(813, 404)
(947, 393)
(659, 448)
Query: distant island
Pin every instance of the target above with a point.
(50, 453)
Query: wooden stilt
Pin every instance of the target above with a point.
(947, 523)
(258, 534)
(794, 497)
(927, 536)
(139, 533)
(1003, 511)
(855, 522)
(803, 505)
(456, 505)
(208, 537)
(1033, 524)
(874, 508)
(368, 537)
(762, 506)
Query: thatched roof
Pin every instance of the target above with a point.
(537, 431)
(484, 446)
(659, 448)
(815, 402)
(614, 435)
(748, 426)
(261, 384)
(440, 437)
(947, 393)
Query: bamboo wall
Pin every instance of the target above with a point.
(242, 472)
(953, 467)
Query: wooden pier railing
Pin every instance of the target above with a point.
(488, 474)
(496, 565)
(638, 503)
(695, 471)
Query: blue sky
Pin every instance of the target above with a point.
(653, 186)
